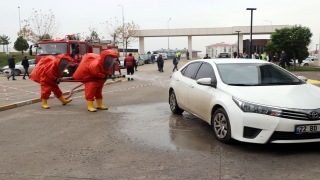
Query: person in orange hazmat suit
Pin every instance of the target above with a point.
(48, 73)
(93, 66)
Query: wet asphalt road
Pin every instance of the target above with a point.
(137, 138)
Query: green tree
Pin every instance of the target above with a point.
(21, 44)
(4, 41)
(294, 41)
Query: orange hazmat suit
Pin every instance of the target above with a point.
(93, 66)
(47, 73)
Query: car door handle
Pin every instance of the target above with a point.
(191, 85)
(177, 79)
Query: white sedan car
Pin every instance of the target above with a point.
(250, 101)
(307, 62)
(19, 68)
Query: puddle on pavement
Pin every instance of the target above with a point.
(155, 126)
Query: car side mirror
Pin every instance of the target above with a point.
(207, 82)
(303, 78)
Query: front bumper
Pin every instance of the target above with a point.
(258, 128)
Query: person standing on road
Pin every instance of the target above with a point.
(25, 64)
(283, 58)
(235, 54)
(160, 63)
(130, 63)
(12, 65)
(275, 58)
(206, 57)
(245, 55)
(178, 54)
(267, 58)
(188, 55)
(263, 56)
(152, 58)
(175, 63)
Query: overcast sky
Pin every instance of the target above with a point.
(77, 15)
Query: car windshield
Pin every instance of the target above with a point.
(52, 48)
(255, 74)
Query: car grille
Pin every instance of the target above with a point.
(298, 115)
(250, 133)
(292, 136)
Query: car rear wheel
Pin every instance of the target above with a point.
(173, 104)
(221, 126)
(17, 72)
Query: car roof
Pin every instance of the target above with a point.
(231, 61)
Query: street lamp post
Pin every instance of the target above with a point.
(238, 42)
(268, 21)
(122, 31)
(168, 36)
(250, 49)
(19, 18)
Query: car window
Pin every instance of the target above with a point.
(191, 70)
(255, 74)
(32, 61)
(205, 71)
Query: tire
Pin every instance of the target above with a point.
(17, 72)
(306, 64)
(173, 104)
(221, 126)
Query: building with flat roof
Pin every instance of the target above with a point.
(258, 45)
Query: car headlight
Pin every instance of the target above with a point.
(250, 107)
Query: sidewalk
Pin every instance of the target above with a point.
(28, 91)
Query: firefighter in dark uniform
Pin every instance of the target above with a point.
(130, 63)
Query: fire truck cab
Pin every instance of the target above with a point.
(75, 48)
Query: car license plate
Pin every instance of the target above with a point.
(305, 129)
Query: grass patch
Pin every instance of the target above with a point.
(19, 57)
(303, 68)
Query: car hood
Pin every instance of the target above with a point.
(305, 96)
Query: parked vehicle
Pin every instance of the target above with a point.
(121, 65)
(146, 58)
(139, 61)
(19, 68)
(75, 48)
(230, 95)
(224, 55)
(164, 56)
(291, 62)
(307, 62)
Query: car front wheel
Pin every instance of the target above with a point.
(173, 104)
(306, 64)
(17, 72)
(221, 126)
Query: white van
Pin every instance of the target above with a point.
(164, 56)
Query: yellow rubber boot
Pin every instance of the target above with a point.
(44, 104)
(64, 101)
(90, 107)
(100, 106)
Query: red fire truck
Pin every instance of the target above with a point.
(75, 48)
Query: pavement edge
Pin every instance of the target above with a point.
(36, 100)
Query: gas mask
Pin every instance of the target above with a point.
(63, 64)
(108, 62)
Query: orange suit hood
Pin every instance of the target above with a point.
(93, 66)
(47, 68)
